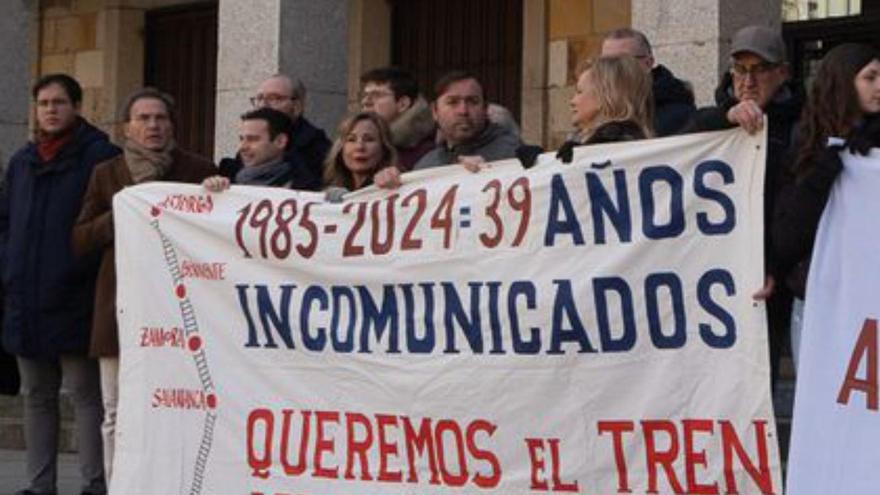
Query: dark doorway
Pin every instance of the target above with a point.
(808, 41)
(181, 59)
(430, 38)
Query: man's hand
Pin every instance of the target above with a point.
(765, 292)
(387, 178)
(472, 163)
(216, 183)
(748, 115)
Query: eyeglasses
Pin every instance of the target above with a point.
(270, 99)
(374, 94)
(756, 70)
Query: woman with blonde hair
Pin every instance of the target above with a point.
(612, 101)
(362, 148)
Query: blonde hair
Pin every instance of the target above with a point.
(335, 171)
(623, 90)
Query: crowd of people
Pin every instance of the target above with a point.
(56, 219)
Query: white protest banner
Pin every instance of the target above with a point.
(582, 328)
(835, 433)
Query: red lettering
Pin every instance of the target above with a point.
(731, 443)
(692, 458)
(866, 347)
(300, 466)
(481, 480)
(558, 485)
(260, 464)
(536, 445)
(387, 449)
(449, 478)
(418, 444)
(663, 458)
(358, 447)
(616, 428)
(323, 444)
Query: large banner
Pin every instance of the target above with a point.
(581, 328)
(836, 434)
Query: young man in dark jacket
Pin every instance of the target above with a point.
(308, 145)
(49, 290)
(393, 93)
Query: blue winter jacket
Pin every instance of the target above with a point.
(49, 292)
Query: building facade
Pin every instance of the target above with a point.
(212, 54)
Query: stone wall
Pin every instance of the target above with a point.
(72, 41)
(17, 37)
(692, 37)
(576, 29)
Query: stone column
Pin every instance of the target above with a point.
(692, 37)
(17, 37)
(300, 38)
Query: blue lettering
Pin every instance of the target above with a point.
(600, 202)
(319, 340)
(379, 320)
(527, 290)
(627, 340)
(454, 313)
(652, 286)
(569, 225)
(705, 225)
(704, 296)
(564, 307)
(667, 174)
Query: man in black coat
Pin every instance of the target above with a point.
(758, 85)
(308, 146)
(49, 292)
(673, 98)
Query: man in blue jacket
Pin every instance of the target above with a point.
(49, 291)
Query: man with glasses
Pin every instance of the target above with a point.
(673, 98)
(308, 145)
(758, 85)
(49, 290)
(393, 94)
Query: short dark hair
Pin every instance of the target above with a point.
(278, 122)
(630, 33)
(71, 87)
(401, 81)
(450, 78)
(149, 92)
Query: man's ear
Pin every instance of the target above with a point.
(404, 103)
(281, 140)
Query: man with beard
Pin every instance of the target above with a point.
(466, 134)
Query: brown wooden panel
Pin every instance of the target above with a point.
(430, 38)
(181, 59)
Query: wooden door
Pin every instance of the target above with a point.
(181, 59)
(430, 38)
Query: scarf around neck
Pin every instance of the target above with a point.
(144, 164)
(274, 173)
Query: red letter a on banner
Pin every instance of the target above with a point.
(865, 346)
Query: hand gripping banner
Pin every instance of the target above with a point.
(835, 433)
(581, 328)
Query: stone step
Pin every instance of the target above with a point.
(12, 424)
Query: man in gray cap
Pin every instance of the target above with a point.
(756, 85)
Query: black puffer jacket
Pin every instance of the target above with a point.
(49, 291)
(673, 102)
